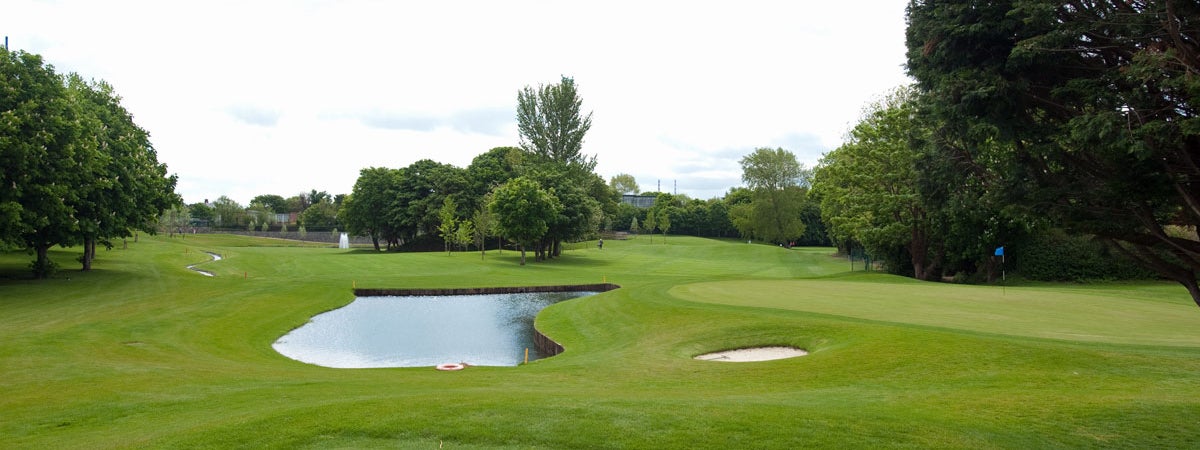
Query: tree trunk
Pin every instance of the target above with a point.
(89, 253)
(42, 264)
(522, 247)
(1193, 289)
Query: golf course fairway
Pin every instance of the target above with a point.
(144, 353)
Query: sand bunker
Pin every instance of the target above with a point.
(753, 354)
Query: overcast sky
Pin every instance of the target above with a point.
(243, 98)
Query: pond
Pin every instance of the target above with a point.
(422, 331)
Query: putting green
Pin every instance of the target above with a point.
(1093, 315)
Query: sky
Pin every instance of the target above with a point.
(244, 98)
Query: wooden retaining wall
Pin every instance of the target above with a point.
(604, 287)
(544, 345)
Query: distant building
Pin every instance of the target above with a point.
(640, 201)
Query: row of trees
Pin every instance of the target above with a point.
(545, 192)
(1028, 115)
(76, 169)
(317, 210)
(536, 195)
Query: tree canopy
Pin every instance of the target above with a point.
(1094, 105)
(779, 185)
(551, 123)
(76, 168)
(523, 211)
(624, 183)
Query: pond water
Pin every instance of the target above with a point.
(391, 331)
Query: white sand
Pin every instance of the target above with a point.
(753, 354)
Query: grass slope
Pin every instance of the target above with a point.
(145, 353)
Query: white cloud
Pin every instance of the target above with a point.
(249, 98)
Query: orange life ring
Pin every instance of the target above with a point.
(451, 366)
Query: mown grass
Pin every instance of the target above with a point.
(145, 353)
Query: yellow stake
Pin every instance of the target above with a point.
(526, 355)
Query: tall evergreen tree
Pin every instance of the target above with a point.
(1095, 104)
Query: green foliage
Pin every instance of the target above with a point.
(523, 211)
(1092, 104)
(227, 213)
(43, 157)
(551, 126)
(200, 211)
(273, 203)
(869, 186)
(623, 183)
(488, 171)
(484, 222)
(778, 188)
(464, 234)
(364, 212)
(448, 222)
(1054, 255)
(320, 216)
(650, 224)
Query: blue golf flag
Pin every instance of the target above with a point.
(999, 251)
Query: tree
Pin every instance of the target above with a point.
(551, 126)
(364, 211)
(124, 186)
(200, 211)
(38, 141)
(464, 234)
(650, 224)
(778, 185)
(1094, 104)
(633, 226)
(624, 183)
(320, 216)
(447, 222)
(421, 189)
(487, 171)
(227, 212)
(868, 185)
(273, 203)
(664, 221)
(485, 223)
(174, 219)
(523, 211)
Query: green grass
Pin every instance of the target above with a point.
(142, 352)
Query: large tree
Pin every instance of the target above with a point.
(38, 143)
(523, 211)
(868, 185)
(551, 124)
(624, 183)
(363, 213)
(129, 189)
(76, 169)
(274, 203)
(779, 184)
(1096, 102)
(552, 128)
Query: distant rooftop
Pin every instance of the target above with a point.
(640, 201)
